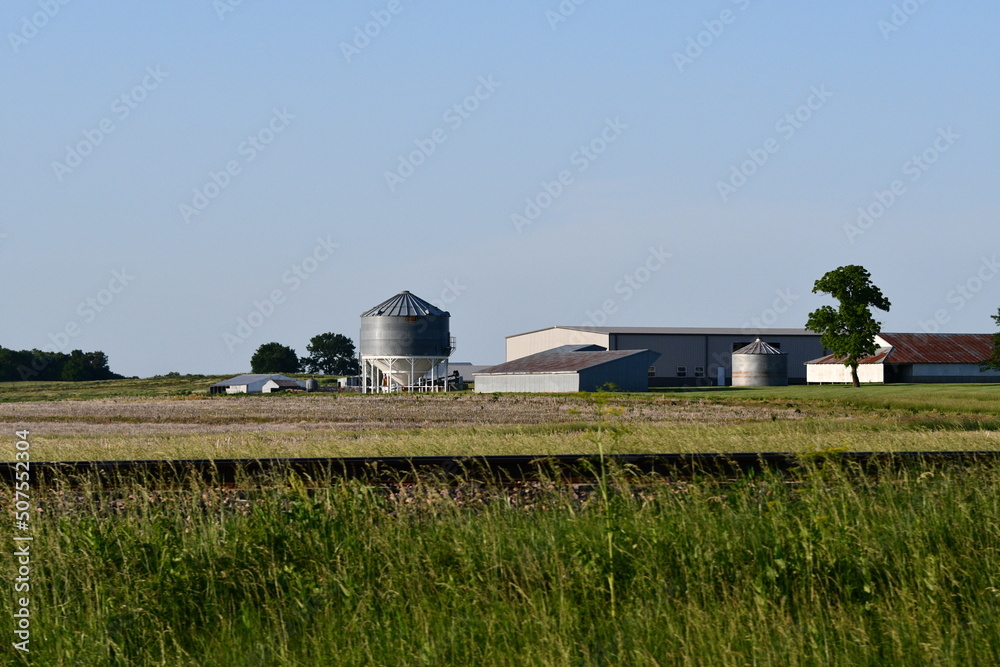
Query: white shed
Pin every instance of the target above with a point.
(913, 358)
(256, 384)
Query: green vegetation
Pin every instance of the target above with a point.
(962, 398)
(331, 354)
(830, 570)
(994, 360)
(173, 417)
(825, 569)
(164, 385)
(77, 366)
(275, 358)
(848, 330)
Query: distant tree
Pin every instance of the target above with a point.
(38, 365)
(9, 361)
(85, 366)
(274, 358)
(993, 363)
(331, 354)
(849, 330)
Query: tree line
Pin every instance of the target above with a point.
(32, 365)
(329, 354)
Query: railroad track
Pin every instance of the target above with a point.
(502, 469)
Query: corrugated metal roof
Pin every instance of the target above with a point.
(405, 304)
(468, 370)
(878, 358)
(290, 384)
(565, 359)
(925, 348)
(693, 331)
(758, 347)
(250, 378)
(909, 348)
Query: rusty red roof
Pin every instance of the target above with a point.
(925, 348)
(878, 358)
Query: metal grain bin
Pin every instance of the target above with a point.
(312, 385)
(405, 344)
(760, 365)
(405, 326)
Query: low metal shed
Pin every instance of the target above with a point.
(569, 368)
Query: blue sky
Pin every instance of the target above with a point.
(169, 169)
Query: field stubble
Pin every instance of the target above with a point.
(196, 426)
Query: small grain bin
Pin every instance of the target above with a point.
(760, 365)
(312, 385)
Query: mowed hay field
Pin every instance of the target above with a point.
(165, 419)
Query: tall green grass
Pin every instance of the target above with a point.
(830, 569)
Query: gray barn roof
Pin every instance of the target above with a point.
(565, 359)
(250, 378)
(405, 304)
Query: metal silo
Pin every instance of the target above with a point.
(405, 344)
(760, 365)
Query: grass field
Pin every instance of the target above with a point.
(162, 418)
(831, 570)
(824, 569)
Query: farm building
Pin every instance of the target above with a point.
(687, 356)
(256, 384)
(922, 357)
(569, 368)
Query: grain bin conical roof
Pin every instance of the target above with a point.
(758, 347)
(405, 304)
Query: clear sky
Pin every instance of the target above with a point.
(168, 169)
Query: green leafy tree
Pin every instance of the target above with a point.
(849, 330)
(36, 365)
(85, 366)
(993, 363)
(331, 354)
(274, 358)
